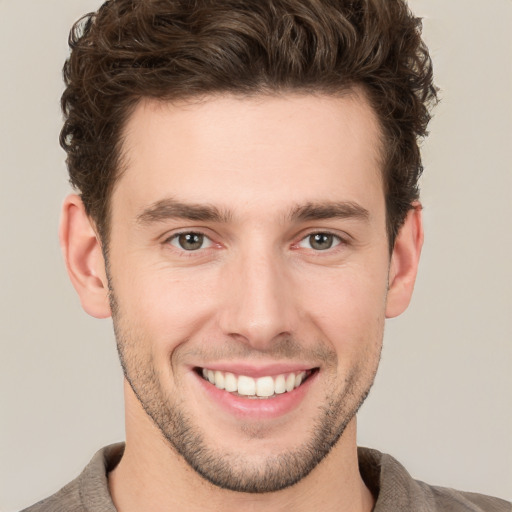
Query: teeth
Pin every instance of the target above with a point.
(290, 382)
(280, 385)
(219, 380)
(230, 382)
(247, 386)
(265, 386)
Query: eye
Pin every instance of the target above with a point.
(320, 241)
(190, 241)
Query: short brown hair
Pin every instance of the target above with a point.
(178, 49)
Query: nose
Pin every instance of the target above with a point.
(259, 305)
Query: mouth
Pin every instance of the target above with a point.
(265, 387)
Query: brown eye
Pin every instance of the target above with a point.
(320, 241)
(190, 241)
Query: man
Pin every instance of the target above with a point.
(248, 215)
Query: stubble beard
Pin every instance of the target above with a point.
(236, 472)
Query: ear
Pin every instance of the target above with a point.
(404, 263)
(83, 255)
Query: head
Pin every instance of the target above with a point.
(248, 210)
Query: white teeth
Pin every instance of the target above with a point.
(290, 382)
(298, 379)
(230, 382)
(265, 386)
(219, 379)
(247, 386)
(280, 384)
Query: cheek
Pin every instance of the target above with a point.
(348, 307)
(168, 306)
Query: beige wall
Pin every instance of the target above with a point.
(442, 401)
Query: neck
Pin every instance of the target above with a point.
(152, 476)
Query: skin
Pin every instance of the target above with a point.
(258, 293)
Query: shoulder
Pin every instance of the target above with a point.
(65, 500)
(395, 490)
(455, 501)
(89, 491)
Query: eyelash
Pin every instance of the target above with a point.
(341, 241)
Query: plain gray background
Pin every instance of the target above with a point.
(442, 400)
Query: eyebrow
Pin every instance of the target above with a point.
(328, 210)
(170, 208)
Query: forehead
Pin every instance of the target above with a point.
(242, 152)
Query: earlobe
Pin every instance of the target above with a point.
(83, 256)
(404, 263)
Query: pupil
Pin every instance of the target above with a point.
(191, 241)
(321, 241)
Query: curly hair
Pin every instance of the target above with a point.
(179, 49)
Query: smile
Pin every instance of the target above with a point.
(249, 387)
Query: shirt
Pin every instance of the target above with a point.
(394, 489)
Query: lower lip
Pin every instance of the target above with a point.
(258, 408)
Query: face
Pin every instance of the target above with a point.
(248, 270)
